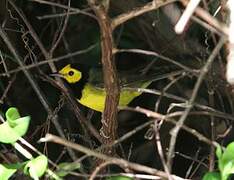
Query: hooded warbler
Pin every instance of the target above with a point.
(89, 91)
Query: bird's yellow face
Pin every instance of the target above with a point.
(71, 75)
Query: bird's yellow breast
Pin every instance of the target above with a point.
(94, 98)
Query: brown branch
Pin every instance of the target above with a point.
(99, 168)
(37, 64)
(157, 125)
(212, 126)
(47, 56)
(18, 59)
(126, 164)
(155, 4)
(207, 109)
(61, 31)
(76, 10)
(109, 116)
(168, 118)
(174, 132)
(209, 19)
(30, 28)
(155, 54)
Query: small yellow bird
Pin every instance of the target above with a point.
(86, 89)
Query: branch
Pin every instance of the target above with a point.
(174, 132)
(209, 19)
(168, 118)
(230, 57)
(122, 162)
(155, 4)
(109, 116)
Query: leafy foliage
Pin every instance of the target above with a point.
(14, 127)
(66, 167)
(225, 164)
(10, 131)
(36, 167)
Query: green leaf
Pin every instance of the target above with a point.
(227, 170)
(219, 152)
(228, 154)
(212, 176)
(6, 171)
(14, 127)
(36, 167)
(119, 178)
(65, 168)
(22, 125)
(19, 124)
(7, 134)
(11, 115)
(226, 160)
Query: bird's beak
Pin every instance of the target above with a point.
(56, 74)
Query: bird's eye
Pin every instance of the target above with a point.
(71, 73)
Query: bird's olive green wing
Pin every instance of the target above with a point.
(129, 80)
(141, 80)
(96, 77)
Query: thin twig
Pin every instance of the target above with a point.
(26, 72)
(160, 148)
(68, 55)
(230, 46)
(30, 28)
(78, 11)
(174, 132)
(99, 168)
(156, 115)
(190, 8)
(214, 112)
(213, 130)
(153, 5)
(62, 31)
(209, 19)
(22, 65)
(152, 53)
(127, 164)
(50, 16)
